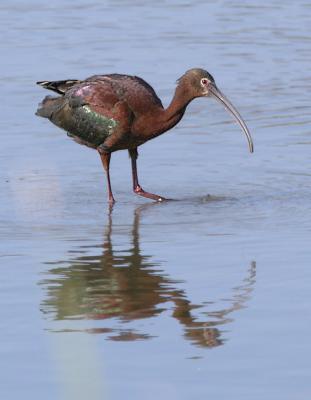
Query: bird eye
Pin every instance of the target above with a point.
(204, 81)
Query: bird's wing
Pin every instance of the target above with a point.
(87, 112)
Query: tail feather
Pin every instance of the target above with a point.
(59, 87)
(49, 105)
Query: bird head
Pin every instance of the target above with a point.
(200, 83)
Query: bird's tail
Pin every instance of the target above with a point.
(49, 105)
(59, 87)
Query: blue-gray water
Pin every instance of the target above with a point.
(204, 297)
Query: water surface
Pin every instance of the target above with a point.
(208, 295)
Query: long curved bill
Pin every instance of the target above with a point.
(215, 92)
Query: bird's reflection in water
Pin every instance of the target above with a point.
(127, 285)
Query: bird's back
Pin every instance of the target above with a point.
(138, 94)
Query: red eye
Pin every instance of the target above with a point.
(204, 81)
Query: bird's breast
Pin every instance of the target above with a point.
(151, 125)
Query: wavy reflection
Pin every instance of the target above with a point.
(126, 285)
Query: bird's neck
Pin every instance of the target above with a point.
(161, 120)
(175, 111)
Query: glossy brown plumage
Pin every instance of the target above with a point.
(117, 112)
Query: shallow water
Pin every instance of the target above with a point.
(207, 295)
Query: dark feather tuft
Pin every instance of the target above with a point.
(59, 87)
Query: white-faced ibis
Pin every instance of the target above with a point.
(117, 112)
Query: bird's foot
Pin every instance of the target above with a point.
(140, 191)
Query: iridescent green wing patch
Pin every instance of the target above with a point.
(92, 127)
(107, 124)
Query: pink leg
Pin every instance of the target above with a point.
(136, 186)
(105, 157)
